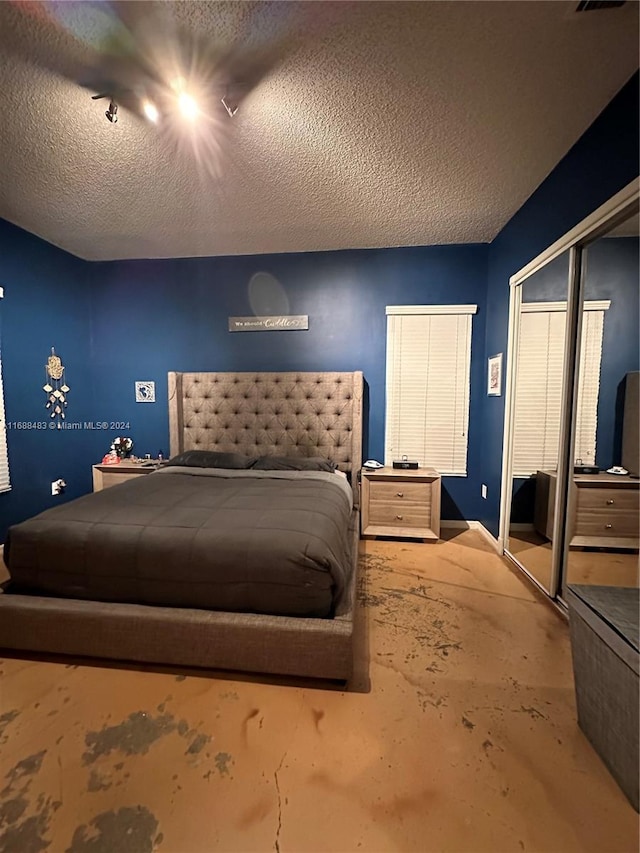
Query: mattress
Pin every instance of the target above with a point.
(271, 542)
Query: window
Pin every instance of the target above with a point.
(539, 385)
(5, 484)
(428, 367)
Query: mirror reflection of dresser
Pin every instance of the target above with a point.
(603, 510)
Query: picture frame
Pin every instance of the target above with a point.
(145, 392)
(494, 375)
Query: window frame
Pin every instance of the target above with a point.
(461, 403)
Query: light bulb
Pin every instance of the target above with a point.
(151, 111)
(188, 106)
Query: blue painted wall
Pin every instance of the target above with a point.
(154, 316)
(45, 304)
(603, 161)
(114, 323)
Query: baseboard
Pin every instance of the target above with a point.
(522, 527)
(463, 524)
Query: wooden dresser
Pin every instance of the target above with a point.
(401, 503)
(604, 509)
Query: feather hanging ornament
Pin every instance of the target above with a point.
(55, 388)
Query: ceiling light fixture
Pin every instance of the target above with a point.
(234, 91)
(230, 106)
(112, 112)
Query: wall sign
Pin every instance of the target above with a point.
(279, 323)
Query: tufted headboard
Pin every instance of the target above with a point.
(280, 414)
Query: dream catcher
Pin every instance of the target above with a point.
(55, 388)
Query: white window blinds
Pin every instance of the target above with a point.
(539, 385)
(428, 367)
(5, 483)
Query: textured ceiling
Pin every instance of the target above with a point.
(360, 124)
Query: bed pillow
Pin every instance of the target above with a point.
(211, 459)
(293, 463)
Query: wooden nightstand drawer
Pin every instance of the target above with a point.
(394, 515)
(606, 514)
(399, 491)
(401, 503)
(105, 476)
(608, 500)
(595, 521)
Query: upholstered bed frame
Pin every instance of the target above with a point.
(308, 414)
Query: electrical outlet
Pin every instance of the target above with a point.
(58, 486)
(483, 491)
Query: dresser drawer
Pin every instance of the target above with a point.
(389, 514)
(608, 513)
(399, 492)
(596, 521)
(105, 476)
(608, 499)
(114, 478)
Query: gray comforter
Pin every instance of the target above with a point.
(254, 541)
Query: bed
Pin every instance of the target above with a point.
(300, 415)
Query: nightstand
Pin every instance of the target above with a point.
(401, 503)
(603, 509)
(110, 475)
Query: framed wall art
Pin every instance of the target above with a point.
(494, 375)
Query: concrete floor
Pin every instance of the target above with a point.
(458, 734)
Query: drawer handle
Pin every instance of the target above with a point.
(399, 517)
(610, 502)
(400, 494)
(608, 526)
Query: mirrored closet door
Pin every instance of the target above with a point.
(569, 510)
(537, 415)
(603, 508)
